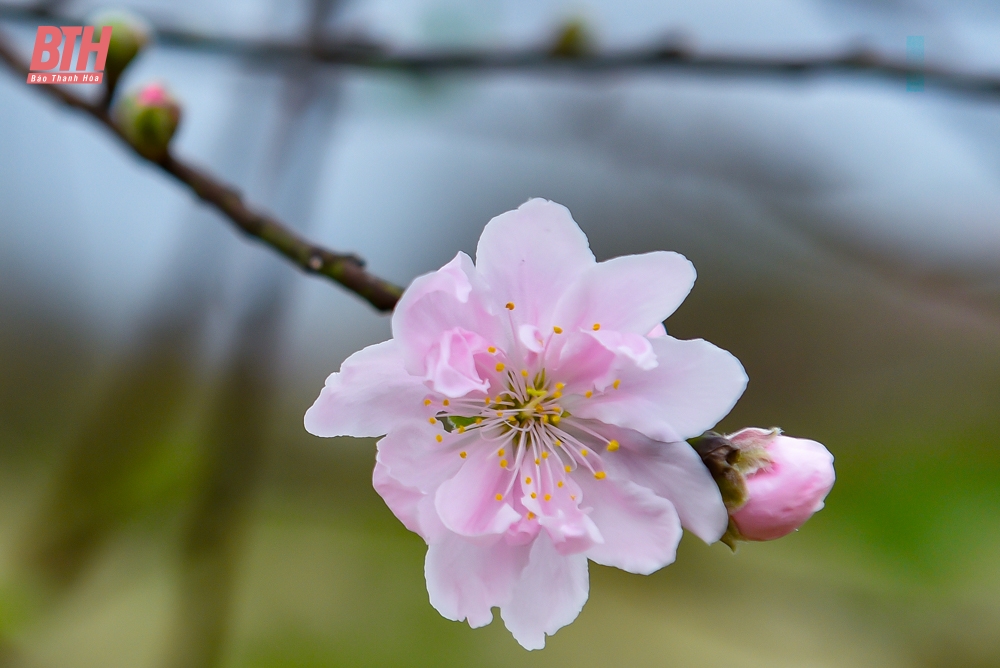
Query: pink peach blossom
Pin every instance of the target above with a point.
(534, 413)
(788, 489)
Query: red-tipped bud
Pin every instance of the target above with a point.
(148, 118)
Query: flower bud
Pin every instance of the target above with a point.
(785, 486)
(148, 118)
(129, 35)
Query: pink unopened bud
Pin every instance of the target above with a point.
(148, 118)
(789, 485)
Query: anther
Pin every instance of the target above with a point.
(588, 394)
(445, 402)
(559, 484)
(568, 468)
(547, 497)
(597, 326)
(545, 455)
(600, 475)
(503, 463)
(461, 429)
(487, 401)
(431, 420)
(531, 515)
(537, 462)
(560, 386)
(557, 330)
(479, 420)
(527, 481)
(500, 366)
(491, 350)
(612, 446)
(557, 443)
(427, 402)
(439, 438)
(583, 452)
(534, 496)
(499, 497)
(524, 372)
(499, 413)
(616, 384)
(500, 454)
(463, 454)
(510, 306)
(556, 394)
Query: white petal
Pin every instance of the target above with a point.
(640, 529)
(530, 257)
(369, 396)
(466, 579)
(549, 595)
(631, 294)
(693, 386)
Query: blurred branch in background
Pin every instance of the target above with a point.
(570, 50)
(348, 270)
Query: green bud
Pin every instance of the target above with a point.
(148, 118)
(129, 35)
(572, 41)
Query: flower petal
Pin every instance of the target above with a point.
(640, 529)
(369, 396)
(530, 257)
(632, 293)
(466, 579)
(415, 459)
(673, 471)
(451, 364)
(467, 503)
(692, 387)
(402, 500)
(549, 595)
(454, 296)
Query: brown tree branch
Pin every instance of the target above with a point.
(669, 56)
(348, 270)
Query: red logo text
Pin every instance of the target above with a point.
(47, 56)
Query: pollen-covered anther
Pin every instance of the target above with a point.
(568, 468)
(527, 481)
(559, 484)
(500, 366)
(600, 475)
(499, 497)
(533, 495)
(524, 372)
(491, 350)
(583, 452)
(510, 306)
(612, 446)
(463, 454)
(461, 429)
(616, 384)
(588, 394)
(432, 420)
(557, 443)
(557, 330)
(445, 402)
(439, 438)
(501, 452)
(531, 515)
(545, 455)
(503, 463)
(537, 462)
(427, 402)
(597, 326)
(547, 497)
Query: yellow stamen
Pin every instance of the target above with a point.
(559, 484)
(616, 384)
(588, 394)
(533, 495)
(557, 443)
(573, 496)
(537, 462)
(500, 366)
(557, 330)
(463, 454)
(560, 386)
(439, 438)
(548, 497)
(524, 372)
(600, 475)
(612, 446)
(445, 402)
(431, 420)
(500, 454)
(531, 515)
(583, 452)
(597, 326)
(568, 468)
(545, 455)
(499, 497)
(510, 306)
(427, 402)
(555, 419)
(479, 420)
(527, 481)
(499, 413)
(556, 394)
(491, 350)
(461, 429)
(545, 418)
(503, 463)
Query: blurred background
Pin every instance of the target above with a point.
(161, 504)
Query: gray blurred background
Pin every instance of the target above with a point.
(160, 503)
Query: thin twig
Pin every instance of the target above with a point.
(668, 56)
(348, 270)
